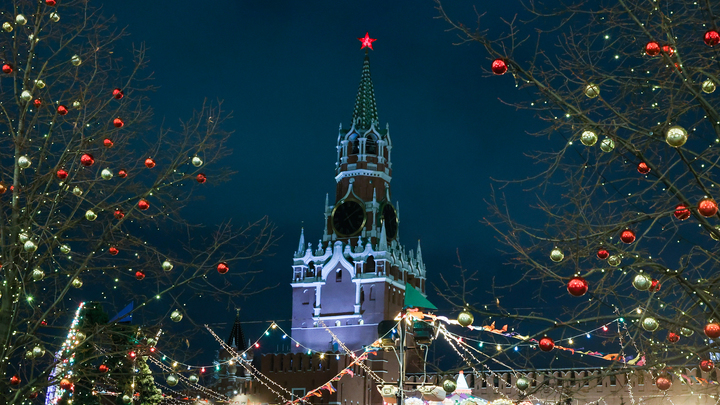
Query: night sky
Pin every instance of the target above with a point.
(289, 72)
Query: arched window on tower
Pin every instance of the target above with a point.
(370, 265)
(370, 145)
(353, 145)
(310, 270)
(306, 297)
(338, 275)
(372, 294)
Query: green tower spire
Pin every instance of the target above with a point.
(365, 112)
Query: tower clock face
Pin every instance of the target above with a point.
(389, 217)
(348, 218)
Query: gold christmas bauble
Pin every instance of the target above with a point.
(592, 90)
(25, 95)
(7, 27)
(90, 215)
(676, 136)
(193, 378)
(172, 380)
(77, 283)
(650, 324)
(712, 235)
(196, 161)
(76, 104)
(38, 351)
(77, 191)
(687, 332)
(54, 17)
(607, 145)
(167, 266)
(23, 237)
(176, 316)
(588, 137)
(614, 260)
(465, 319)
(20, 19)
(24, 162)
(708, 86)
(38, 274)
(106, 174)
(30, 246)
(557, 255)
(75, 60)
(522, 383)
(64, 249)
(449, 386)
(79, 336)
(39, 84)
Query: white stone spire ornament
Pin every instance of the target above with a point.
(301, 244)
(419, 253)
(383, 245)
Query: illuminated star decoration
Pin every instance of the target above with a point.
(367, 41)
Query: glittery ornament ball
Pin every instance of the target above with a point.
(627, 236)
(652, 48)
(711, 38)
(643, 168)
(577, 286)
(499, 67)
(546, 344)
(707, 207)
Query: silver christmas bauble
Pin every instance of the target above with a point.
(642, 282)
(176, 316)
(76, 104)
(30, 246)
(650, 324)
(607, 145)
(614, 260)
(75, 60)
(676, 136)
(38, 351)
(77, 191)
(106, 174)
(29, 354)
(7, 27)
(708, 86)
(522, 383)
(23, 237)
(588, 138)
(557, 255)
(25, 95)
(20, 19)
(465, 318)
(90, 215)
(54, 17)
(24, 162)
(167, 266)
(38, 274)
(193, 378)
(592, 90)
(39, 84)
(172, 380)
(449, 386)
(64, 249)
(687, 332)
(126, 399)
(77, 283)
(197, 162)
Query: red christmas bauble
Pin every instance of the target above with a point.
(87, 159)
(118, 123)
(678, 67)
(32, 395)
(546, 344)
(7, 68)
(222, 268)
(122, 173)
(118, 94)
(201, 178)
(62, 174)
(673, 337)
(14, 380)
(103, 368)
(668, 50)
(663, 383)
(499, 67)
(652, 48)
(603, 254)
(139, 275)
(51, 2)
(707, 365)
(654, 285)
(37, 102)
(712, 38)
(62, 110)
(712, 330)
(65, 384)
(643, 168)
(577, 286)
(627, 236)
(143, 205)
(108, 143)
(119, 214)
(681, 212)
(149, 163)
(707, 207)
(113, 250)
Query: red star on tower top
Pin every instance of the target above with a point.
(367, 41)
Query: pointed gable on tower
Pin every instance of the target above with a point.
(365, 112)
(237, 337)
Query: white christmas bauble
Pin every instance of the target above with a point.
(7, 27)
(167, 266)
(708, 86)
(676, 136)
(607, 145)
(642, 282)
(106, 174)
(592, 90)
(77, 191)
(39, 84)
(176, 316)
(25, 95)
(588, 138)
(75, 60)
(557, 255)
(30, 246)
(20, 19)
(76, 104)
(90, 215)
(54, 17)
(38, 274)
(64, 249)
(197, 162)
(24, 162)
(77, 283)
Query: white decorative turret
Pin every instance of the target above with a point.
(301, 244)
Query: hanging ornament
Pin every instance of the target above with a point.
(24, 162)
(25, 95)
(7, 68)
(33, 394)
(75, 60)
(122, 173)
(201, 178)
(687, 332)
(126, 399)
(77, 283)
(20, 19)
(592, 90)
(87, 159)
(681, 212)
(76, 104)
(64, 249)
(38, 351)
(707, 365)
(118, 123)
(15, 380)
(113, 250)
(654, 285)
(176, 316)
(51, 3)
(708, 86)
(652, 48)
(627, 236)
(30, 246)
(650, 324)
(607, 145)
(588, 137)
(77, 191)
(139, 275)
(676, 136)
(106, 174)
(577, 286)
(556, 255)
(108, 143)
(196, 161)
(193, 378)
(65, 384)
(62, 110)
(449, 386)
(61, 174)
(39, 84)
(3, 188)
(707, 207)
(79, 336)
(37, 103)
(23, 237)
(546, 344)
(673, 337)
(712, 330)
(90, 215)
(465, 319)
(119, 214)
(38, 274)
(118, 94)
(711, 38)
(712, 234)
(143, 205)
(167, 266)
(149, 163)
(614, 260)
(663, 383)
(499, 67)
(103, 368)
(172, 380)
(643, 168)
(642, 282)
(602, 254)
(54, 17)
(669, 50)
(7, 27)
(522, 383)
(222, 268)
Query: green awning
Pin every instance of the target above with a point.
(415, 299)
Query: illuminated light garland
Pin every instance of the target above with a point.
(337, 377)
(54, 392)
(182, 378)
(353, 355)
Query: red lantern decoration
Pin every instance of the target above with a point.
(113, 250)
(108, 143)
(119, 214)
(546, 344)
(707, 365)
(643, 168)
(103, 368)
(577, 286)
(707, 207)
(663, 383)
(222, 268)
(122, 173)
(668, 50)
(62, 174)
(654, 285)
(712, 38)
(139, 275)
(627, 236)
(673, 337)
(603, 254)
(652, 48)
(15, 380)
(118, 123)
(499, 67)
(149, 163)
(118, 94)
(37, 102)
(143, 204)
(712, 330)
(87, 159)
(62, 110)
(7, 68)
(51, 3)
(201, 178)
(681, 212)
(65, 384)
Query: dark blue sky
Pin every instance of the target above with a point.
(289, 71)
